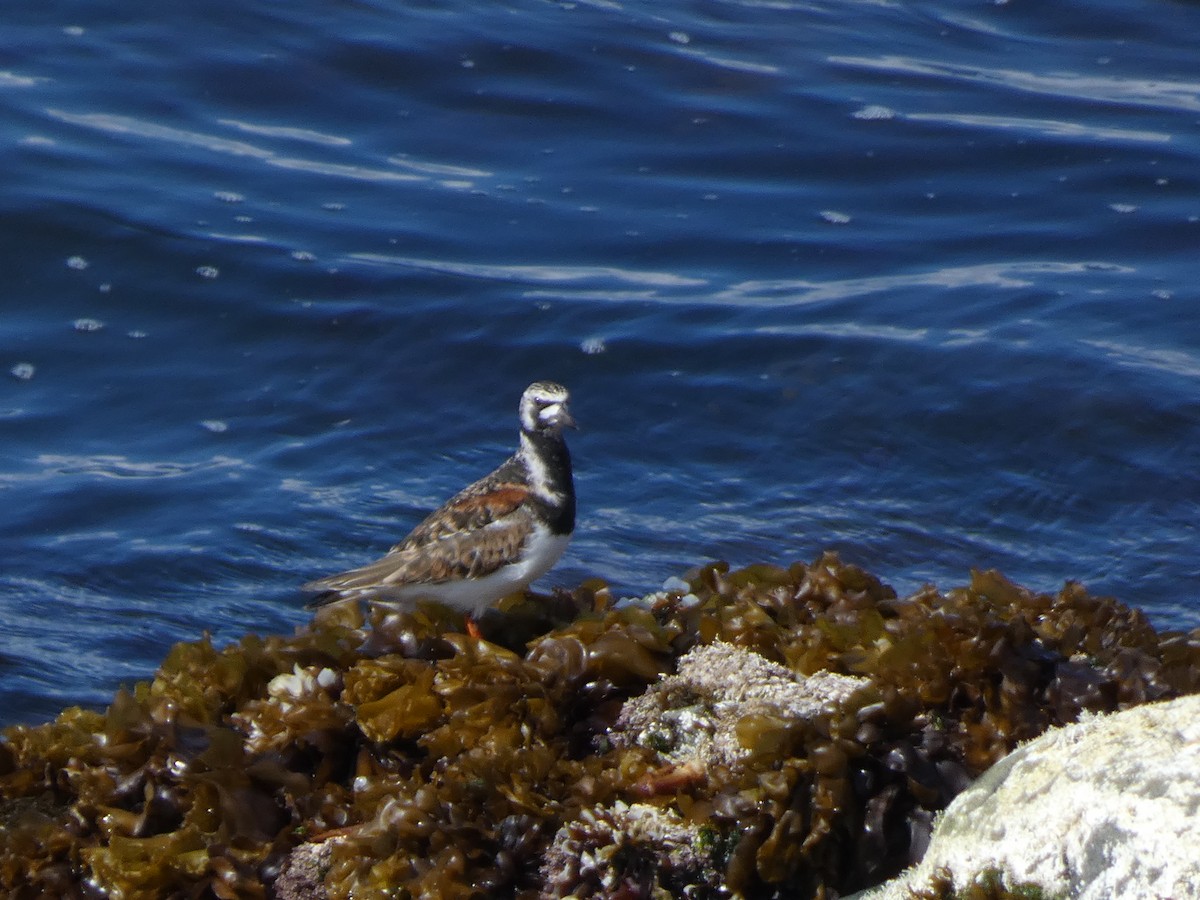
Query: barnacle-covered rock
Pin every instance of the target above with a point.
(302, 875)
(385, 754)
(725, 704)
(627, 850)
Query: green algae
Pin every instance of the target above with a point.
(988, 885)
(386, 755)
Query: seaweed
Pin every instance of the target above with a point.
(383, 753)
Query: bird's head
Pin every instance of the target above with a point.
(544, 408)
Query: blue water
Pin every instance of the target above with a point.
(917, 282)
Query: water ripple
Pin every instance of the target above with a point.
(114, 124)
(116, 466)
(9, 79)
(288, 133)
(129, 125)
(726, 62)
(535, 274)
(1050, 127)
(1161, 93)
(341, 170)
(1174, 362)
(1003, 275)
(428, 168)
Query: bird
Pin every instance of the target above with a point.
(491, 539)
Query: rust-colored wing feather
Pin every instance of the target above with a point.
(466, 511)
(479, 530)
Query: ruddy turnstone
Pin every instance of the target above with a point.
(491, 539)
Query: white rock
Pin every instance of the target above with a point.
(1109, 807)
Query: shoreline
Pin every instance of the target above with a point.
(401, 754)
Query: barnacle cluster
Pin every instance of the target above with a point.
(384, 754)
(633, 850)
(719, 703)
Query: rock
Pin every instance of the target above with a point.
(628, 850)
(705, 714)
(762, 733)
(303, 873)
(1108, 807)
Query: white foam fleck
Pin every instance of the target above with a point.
(216, 426)
(834, 217)
(208, 271)
(22, 371)
(87, 325)
(77, 262)
(874, 113)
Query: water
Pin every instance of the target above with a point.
(915, 282)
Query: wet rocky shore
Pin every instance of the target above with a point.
(760, 733)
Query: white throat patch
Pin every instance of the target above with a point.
(539, 481)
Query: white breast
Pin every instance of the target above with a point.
(473, 595)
